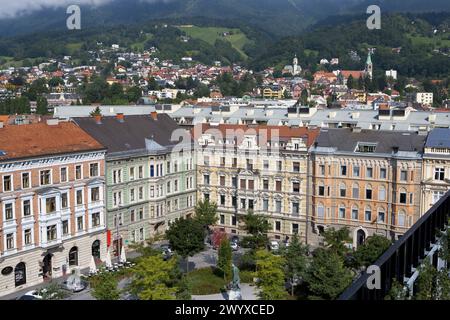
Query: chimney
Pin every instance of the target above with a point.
(154, 115)
(98, 118)
(120, 117)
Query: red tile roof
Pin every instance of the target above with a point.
(39, 139)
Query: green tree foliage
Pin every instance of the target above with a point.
(17, 105)
(104, 287)
(225, 259)
(186, 236)
(327, 276)
(257, 227)
(41, 106)
(206, 213)
(96, 112)
(350, 82)
(55, 81)
(397, 291)
(151, 278)
(296, 261)
(269, 271)
(426, 282)
(371, 250)
(336, 239)
(231, 87)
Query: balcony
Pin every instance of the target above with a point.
(44, 218)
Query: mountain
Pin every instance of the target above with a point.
(276, 17)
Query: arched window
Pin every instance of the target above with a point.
(321, 189)
(96, 249)
(20, 274)
(402, 196)
(343, 190)
(382, 193)
(355, 191)
(401, 218)
(73, 256)
(369, 192)
(342, 211)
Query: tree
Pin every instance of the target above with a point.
(336, 239)
(104, 287)
(426, 282)
(397, 291)
(296, 261)
(350, 82)
(224, 262)
(41, 106)
(327, 276)
(206, 213)
(269, 271)
(257, 226)
(55, 81)
(186, 236)
(151, 277)
(371, 250)
(96, 112)
(304, 97)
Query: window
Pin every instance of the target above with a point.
(78, 172)
(65, 227)
(168, 187)
(131, 175)
(132, 195)
(296, 166)
(64, 200)
(95, 219)
(79, 223)
(295, 228)
(356, 171)
(222, 161)
(321, 190)
(243, 203)
(25, 180)
(296, 187)
(369, 192)
(402, 198)
(10, 241)
(295, 208)
(251, 184)
(277, 225)
(141, 234)
(152, 170)
(63, 174)
(141, 172)
(51, 233)
(95, 194)
(234, 182)
(265, 205)
(366, 147)
(355, 213)
(117, 176)
(222, 199)
(439, 174)
(243, 184)
(117, 198)
(383, 173)
(222, 181)
(79, 195)
(234, 164)
(343, 170)
(322, 169)
(222, 219)
(141, 193)
(265, 184)
(7, 183)
(382, 193)
(50, 205)
(279, 165)
(45, 177)
(368, 214)
(320, 211)
(355, 191)
(206, 179)
(233, 220)
(369, 172)
(278, 206)
(249, 164)
(403, 175)
(250, 204)
(278, 185)
(381, 215)
(73, 256)
(342, 190)
(176, 185)
(9, 211)
(206, 161)
(341, 212)
(26, 208)
(401, 219)
(266, 164)
(141, 212)
(27, 237)
(93, 170)
(437, 195)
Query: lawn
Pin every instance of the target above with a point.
(205, 281)
(436, 42)
(210, 34)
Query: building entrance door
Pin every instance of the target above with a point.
(47, 266)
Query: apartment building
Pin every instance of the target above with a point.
(150, 178)
(51, 202)
(367, 180)
(436, 167)
(424, 98)
(259, 168)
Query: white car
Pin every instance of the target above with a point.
(274, 245)
(31, 295)
(234, 246)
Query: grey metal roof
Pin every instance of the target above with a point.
(346, 140)
(438, 138)
(131, 134)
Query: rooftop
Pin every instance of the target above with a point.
(438, 138)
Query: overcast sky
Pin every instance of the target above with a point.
(12, 8)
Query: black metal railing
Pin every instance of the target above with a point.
(405, 254)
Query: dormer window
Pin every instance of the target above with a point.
(365, 147)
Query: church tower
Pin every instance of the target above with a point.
(369, 65)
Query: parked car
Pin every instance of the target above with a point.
(75, 286)
(167, 251)
(235, 239)
(234, 246)
(274, 245)
(30, 295)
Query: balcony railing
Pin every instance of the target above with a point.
(405, 255)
